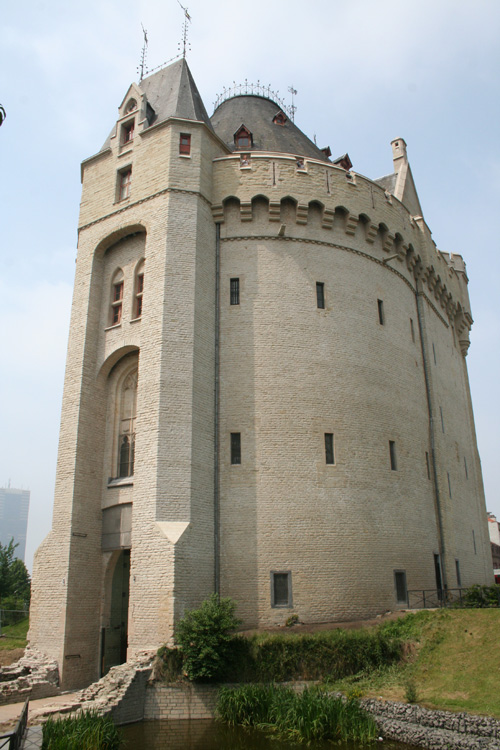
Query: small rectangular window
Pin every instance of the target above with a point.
(320, 295)
(235, 292)
(392, 455)
(400, 585)
(412, 329)
(124, 181)
(236, 447)
(381, 318)
(281, 589)
(457, 570)
(127, 132)
(185, 144)
(428, 465)
(329, 454)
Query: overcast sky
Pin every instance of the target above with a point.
(366, 71)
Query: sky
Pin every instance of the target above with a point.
(366, 71)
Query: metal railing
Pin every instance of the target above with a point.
(434, 598)
(13, 740)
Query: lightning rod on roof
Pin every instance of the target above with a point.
(292, 108)
(185, 43)
(142, 66)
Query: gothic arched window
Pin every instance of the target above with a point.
(126, 425)
(116, 306)
(138, 289)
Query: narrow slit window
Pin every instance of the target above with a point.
(234, 292)
(320, 295)
(139, 291)
(236, 447)
(474, 541)
(185, 144)
(434, 354)
(400, 586)
(466, 469)
(412, 329)
(392, 455)
(449, 483)
(329, 454)
(457, 571)
(381, 316)
(281, 589)
(442, 418)
(428, 465)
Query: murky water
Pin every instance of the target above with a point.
(211, 735)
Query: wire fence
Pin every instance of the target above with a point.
(12, 617)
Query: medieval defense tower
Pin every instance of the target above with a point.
(266, 392)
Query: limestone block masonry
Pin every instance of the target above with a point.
(266, 390)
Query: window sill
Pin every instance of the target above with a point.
(185, 156)
(136, 320)
(120, 482)
(125, 150)
(112, 328)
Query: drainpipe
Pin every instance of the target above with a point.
(437, 498)
(216, 414)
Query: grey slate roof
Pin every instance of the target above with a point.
(388, 182)
(172, 92)
(256, 113)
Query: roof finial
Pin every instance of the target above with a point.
(292, 108)
(142, 65)
(187, 18)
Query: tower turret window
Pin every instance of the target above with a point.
(126, 435)
(243, 138)
(320, 295)
(185, 144)
(235, 292)
(127, 132)
(116, 299)
(124, 181)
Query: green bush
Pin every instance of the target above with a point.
(88, 731)
(204, 636)
(330, 654)
(168, 664)
(304, 717)
(481, 596)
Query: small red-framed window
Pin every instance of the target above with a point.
(185, 144)
(128, 132)
(124, 181)
(279, 119)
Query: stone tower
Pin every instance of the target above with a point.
(266, 391)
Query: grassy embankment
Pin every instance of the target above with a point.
(452, 662)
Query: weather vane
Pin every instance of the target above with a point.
(185, 42)
(293, 108)
(142, 65)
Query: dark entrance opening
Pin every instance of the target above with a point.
(114, 638)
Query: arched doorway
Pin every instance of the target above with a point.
(114, 637)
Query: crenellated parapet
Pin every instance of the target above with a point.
(324, 203)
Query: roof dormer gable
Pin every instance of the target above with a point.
(243, 138)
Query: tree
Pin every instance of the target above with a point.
(15, 581)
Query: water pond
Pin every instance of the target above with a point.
(211, 735)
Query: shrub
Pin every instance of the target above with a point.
(168, 664)
(482, 596)
(88, 731)
(304, 717)
(204, 636)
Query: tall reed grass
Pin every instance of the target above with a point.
(88, 731)
(300, 717)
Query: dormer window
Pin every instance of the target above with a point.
(243, 138)
(279, 119)
(127, 132)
